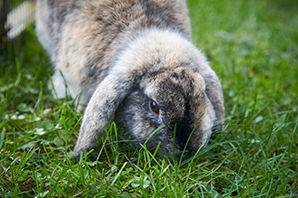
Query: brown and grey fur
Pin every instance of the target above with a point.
(122, 54)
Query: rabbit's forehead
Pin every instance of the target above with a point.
(179, 81)
(175, 91)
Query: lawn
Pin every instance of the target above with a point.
(253, 47)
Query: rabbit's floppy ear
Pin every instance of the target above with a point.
(215, 95)
(102, 106)
(214, 92)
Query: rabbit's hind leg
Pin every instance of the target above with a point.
(57, 85)
(60, 86)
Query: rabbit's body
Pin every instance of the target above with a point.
(127, 56)
(84, 38)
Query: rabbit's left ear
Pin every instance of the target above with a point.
(102, 106)
(214, 93)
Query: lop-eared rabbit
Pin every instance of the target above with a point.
(135, 61)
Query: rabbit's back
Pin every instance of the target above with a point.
(84, 37)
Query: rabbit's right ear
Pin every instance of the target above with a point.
(102, 106)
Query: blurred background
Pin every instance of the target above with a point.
(14, 16)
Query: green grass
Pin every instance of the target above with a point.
(253, 47)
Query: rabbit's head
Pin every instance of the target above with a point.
(174, 98)
(159, 79)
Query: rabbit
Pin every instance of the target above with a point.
(134, 61)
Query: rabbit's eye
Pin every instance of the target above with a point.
(154, 107)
